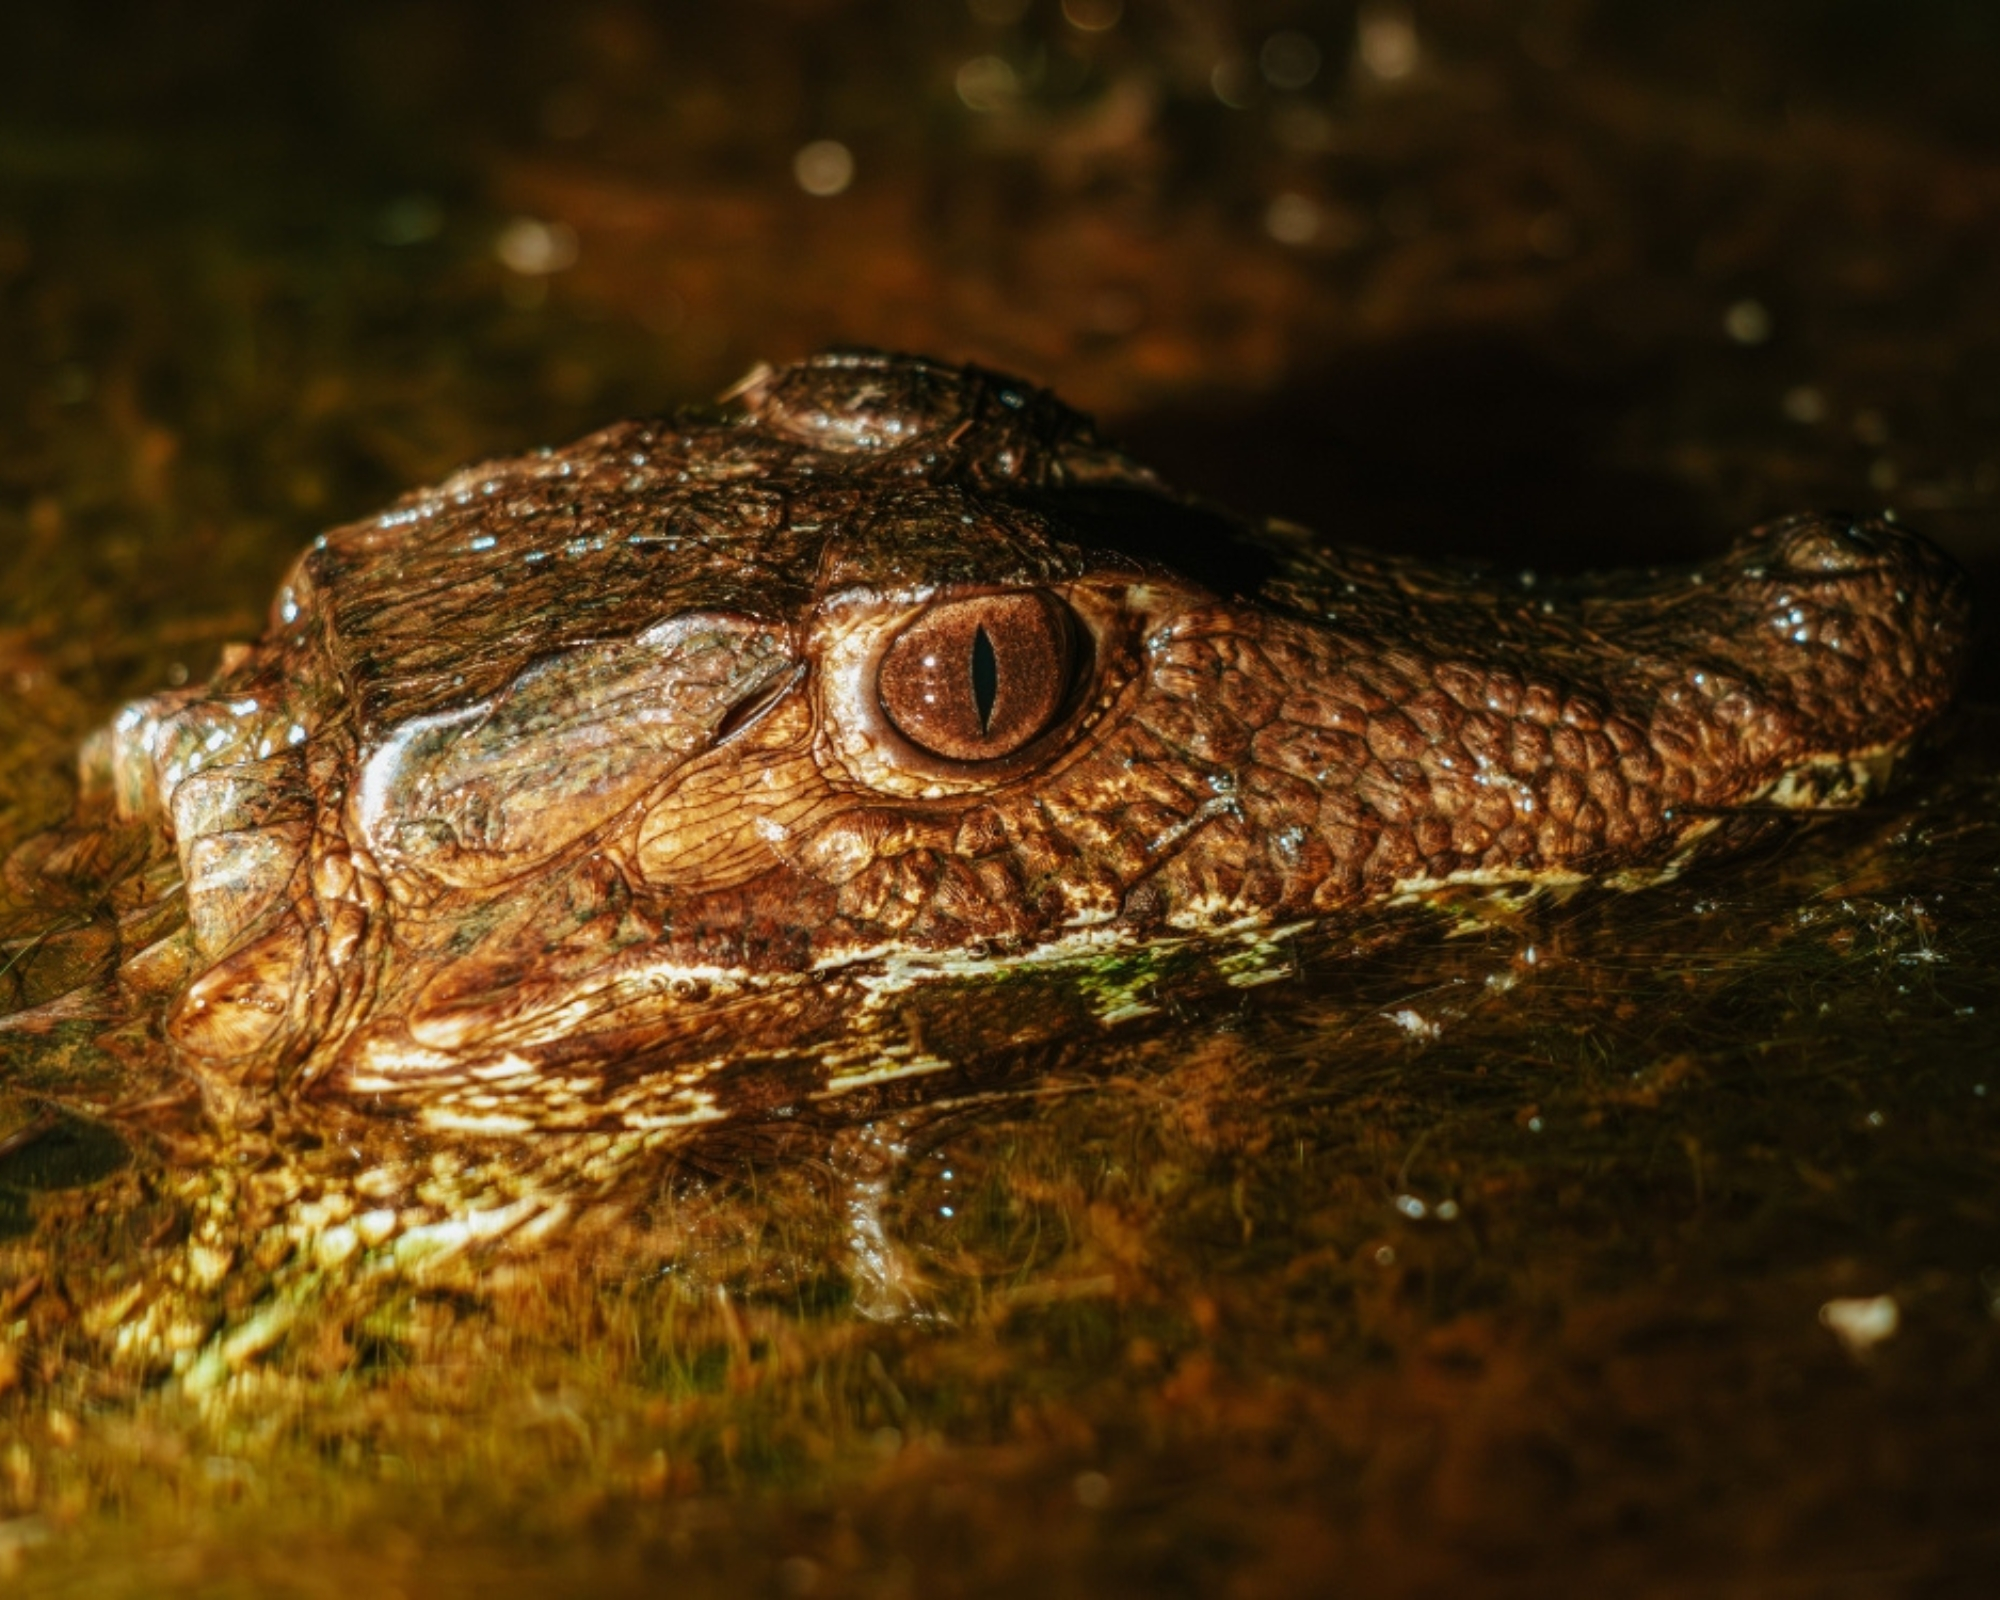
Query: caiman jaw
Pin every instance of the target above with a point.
(557, 791)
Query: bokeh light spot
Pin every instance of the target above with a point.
(1093, 16)
(1292, 219)
(824, 168)
(1386, 40)
(987, 83)
(534, 248)
(1289, 60)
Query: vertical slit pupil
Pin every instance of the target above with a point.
(985, 678)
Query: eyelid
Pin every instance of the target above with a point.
(749, 711)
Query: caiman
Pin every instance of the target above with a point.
(592, 787)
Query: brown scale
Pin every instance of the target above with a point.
(566, 760)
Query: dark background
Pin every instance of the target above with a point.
(249, 282)
(1556, 284)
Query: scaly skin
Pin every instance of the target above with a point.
(555, 793)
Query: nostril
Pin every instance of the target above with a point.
(1832, 548)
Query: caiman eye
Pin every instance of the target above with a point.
(976, 679)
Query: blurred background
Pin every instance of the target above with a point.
(1511, 1262)
(1553, 282)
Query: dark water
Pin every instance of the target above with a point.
(1645, 1242)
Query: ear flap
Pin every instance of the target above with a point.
(477, 795)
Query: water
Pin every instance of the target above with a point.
(1642, 1241)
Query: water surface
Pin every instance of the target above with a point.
(1646, 1242)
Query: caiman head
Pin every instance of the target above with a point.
(542, 783)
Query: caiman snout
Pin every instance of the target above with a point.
(1854, 630)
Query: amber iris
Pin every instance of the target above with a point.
(976, 679)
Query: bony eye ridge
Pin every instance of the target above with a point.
(980, 678)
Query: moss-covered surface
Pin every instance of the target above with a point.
(1547, 1251)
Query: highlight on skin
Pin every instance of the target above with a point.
(589, 785)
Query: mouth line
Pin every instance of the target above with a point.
(1819, 784)
(1824, 783)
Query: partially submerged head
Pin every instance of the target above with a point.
(575, 761)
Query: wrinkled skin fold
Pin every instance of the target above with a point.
(565, 794)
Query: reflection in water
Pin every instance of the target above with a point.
(1523, 1245)
(1640, 1117)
